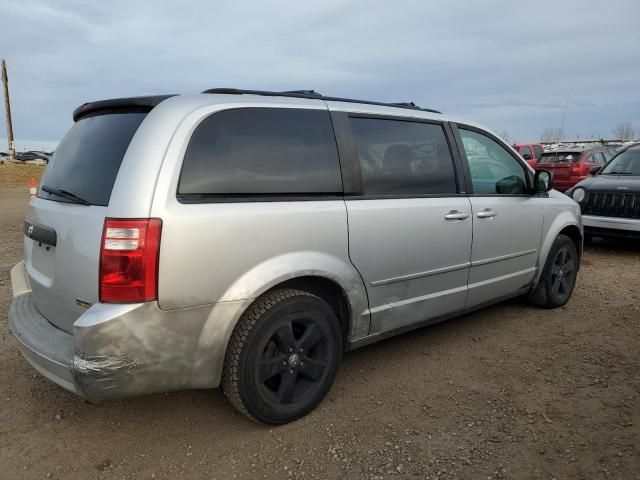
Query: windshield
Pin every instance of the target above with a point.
(88, 158)
(626, 163)
(560, 157)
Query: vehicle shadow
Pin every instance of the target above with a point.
(377, 364)
(613, 245)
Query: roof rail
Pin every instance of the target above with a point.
(312, 94)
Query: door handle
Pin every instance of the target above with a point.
(486, 213)
(456, 215)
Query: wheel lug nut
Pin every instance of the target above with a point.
(290, 350)
(284, 363)
(302, 364)
(291, 371)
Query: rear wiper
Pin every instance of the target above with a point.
(65, 194)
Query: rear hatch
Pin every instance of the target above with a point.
(559, 163)
(63, 225)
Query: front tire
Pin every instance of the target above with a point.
(558, 276)
(282, 357)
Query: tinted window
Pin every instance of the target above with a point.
(537, 149)
(493, 169)
(88, 158)
(626, 163)
(262, 151)
(560, 157)
(403, 158)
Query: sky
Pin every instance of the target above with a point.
(511, 65)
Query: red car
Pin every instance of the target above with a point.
(570, 166)
(531, 152)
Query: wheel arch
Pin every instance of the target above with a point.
(566, 223)
(576, 235)
(329, 291)
(325, 276)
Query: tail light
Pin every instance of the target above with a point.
(129, 260)
(579, 169)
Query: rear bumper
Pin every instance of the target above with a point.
(48, 349)
(119, 351)
(611, 226)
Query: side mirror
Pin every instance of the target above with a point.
(527, 156)
(594, 170)
(542, 181)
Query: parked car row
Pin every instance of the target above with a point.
(604, 180)
(30, 155)
(609, 199)
(571, 166)
(33, 155)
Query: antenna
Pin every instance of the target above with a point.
(564, 117)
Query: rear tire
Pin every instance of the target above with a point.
(282, 357)
(558, 276)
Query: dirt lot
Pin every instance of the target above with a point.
(18, 174)
(507, 392)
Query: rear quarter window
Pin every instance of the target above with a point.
(88, 158)
(262, 151)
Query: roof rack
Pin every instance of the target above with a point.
(312, 94)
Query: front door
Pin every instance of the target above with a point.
(409, 229)
(507, 220)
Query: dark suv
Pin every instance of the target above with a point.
(610, 200)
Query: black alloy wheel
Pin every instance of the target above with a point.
(559, 275)
(283, 356)
(563, 274)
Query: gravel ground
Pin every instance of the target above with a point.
(507, 392)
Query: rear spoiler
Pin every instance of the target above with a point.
(118, 105)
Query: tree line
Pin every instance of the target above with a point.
(623, 131)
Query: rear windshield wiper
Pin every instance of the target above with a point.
(65, 194)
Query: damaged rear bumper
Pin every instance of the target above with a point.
(115, 351)
(52, 352)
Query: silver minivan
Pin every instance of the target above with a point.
(246, 239)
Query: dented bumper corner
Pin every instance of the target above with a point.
(101, 377)
(115, 351)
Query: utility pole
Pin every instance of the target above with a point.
(7, 108)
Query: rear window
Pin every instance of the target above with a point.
(88, 158)
(560, 157)
(262, 151)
